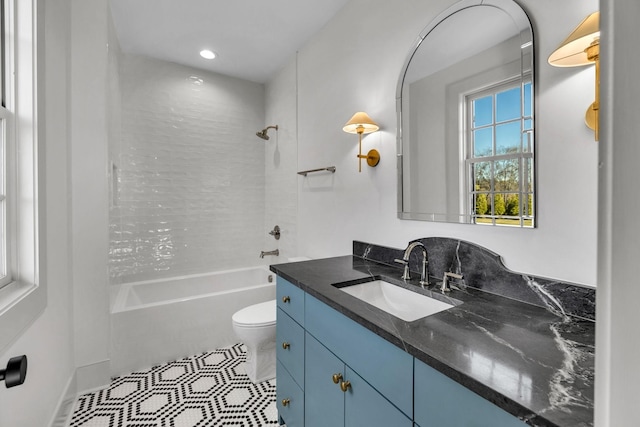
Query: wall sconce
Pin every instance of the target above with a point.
(361, 123)
(582, 47)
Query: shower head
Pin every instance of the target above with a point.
(263, 133)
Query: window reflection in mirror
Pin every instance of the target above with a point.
(465, 122)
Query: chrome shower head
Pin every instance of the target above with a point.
(263, 133)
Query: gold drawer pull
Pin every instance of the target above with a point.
(285, 402)
(336, 378)
(345, 385)
(286, 299)
(286, 345)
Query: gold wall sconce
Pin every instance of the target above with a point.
(361, 123)
(582, 47)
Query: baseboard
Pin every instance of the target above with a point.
(85, 379)
(64, 408)
(94, 376)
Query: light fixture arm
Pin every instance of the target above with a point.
(592, 116)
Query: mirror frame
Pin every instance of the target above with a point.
(522, 22)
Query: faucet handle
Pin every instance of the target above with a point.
(445, 280)
(401, 261)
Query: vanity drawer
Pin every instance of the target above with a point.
(290, 299)
(289, 399)
(439, 400)
(386, 367)
(290, 346)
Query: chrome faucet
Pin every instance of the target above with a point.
(424, 279)
(275, 252)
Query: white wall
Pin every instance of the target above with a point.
(48, 342)
(89, 187)
(281, 164)
(353, 64)
(617, 339)
(190, 186)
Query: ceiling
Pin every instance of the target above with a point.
(252, 38)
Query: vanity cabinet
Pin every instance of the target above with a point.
(337, 396)
(290, 353)
(387, 368)
(443, 402)
(334, 372)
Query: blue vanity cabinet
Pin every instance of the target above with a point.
(324, 403)
(290, 353)
(336, 396)
(290, 299)
(387, 368)
(440, 401)
(289, 398)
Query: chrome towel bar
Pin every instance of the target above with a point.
(331, 169)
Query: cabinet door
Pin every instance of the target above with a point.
(324, 400)
(365, 407)
(386, 367)
(440, 401)
(290, 346)
(289, 399)
(290, 299)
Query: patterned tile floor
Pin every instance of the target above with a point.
(206, 390)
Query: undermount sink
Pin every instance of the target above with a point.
(396, 300)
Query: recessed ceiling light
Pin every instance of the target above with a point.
(207, 54)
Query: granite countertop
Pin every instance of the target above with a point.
(535, 363)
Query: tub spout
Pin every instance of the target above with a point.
(274, 252)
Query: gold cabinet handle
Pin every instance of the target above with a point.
(286, 345)
(345, 385)
(285, 402)
(336, 378)
(286, 299)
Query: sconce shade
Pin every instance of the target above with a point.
(571, 52)
(360, 123)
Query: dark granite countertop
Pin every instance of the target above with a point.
(535, 363)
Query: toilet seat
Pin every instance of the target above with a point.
(263, 314)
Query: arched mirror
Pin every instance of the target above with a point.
(465, 103)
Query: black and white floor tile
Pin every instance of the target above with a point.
(207, 390)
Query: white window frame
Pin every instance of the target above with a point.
(24, 297)
(525, 219)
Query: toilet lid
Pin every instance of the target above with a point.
(262, 314)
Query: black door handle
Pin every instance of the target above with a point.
(16, 371)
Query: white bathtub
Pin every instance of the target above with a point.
(159, 321)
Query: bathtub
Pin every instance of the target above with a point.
(153, 322)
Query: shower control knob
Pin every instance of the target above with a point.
(275, 232)
(16, 371)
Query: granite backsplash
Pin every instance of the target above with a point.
(483, 269)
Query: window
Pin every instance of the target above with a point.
(22, 297)
(499, 155)
(5, 116)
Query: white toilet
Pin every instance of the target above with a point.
(255, 326)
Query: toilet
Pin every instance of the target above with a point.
(255, 327)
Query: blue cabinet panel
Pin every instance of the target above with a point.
(290, 346)
(365, 407)
(290, 299)
(289, 398)
(440, 401)
(390, 371)
(324, 400)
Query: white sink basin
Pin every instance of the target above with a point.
(395, 300)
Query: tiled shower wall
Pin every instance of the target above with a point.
(188, 172)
